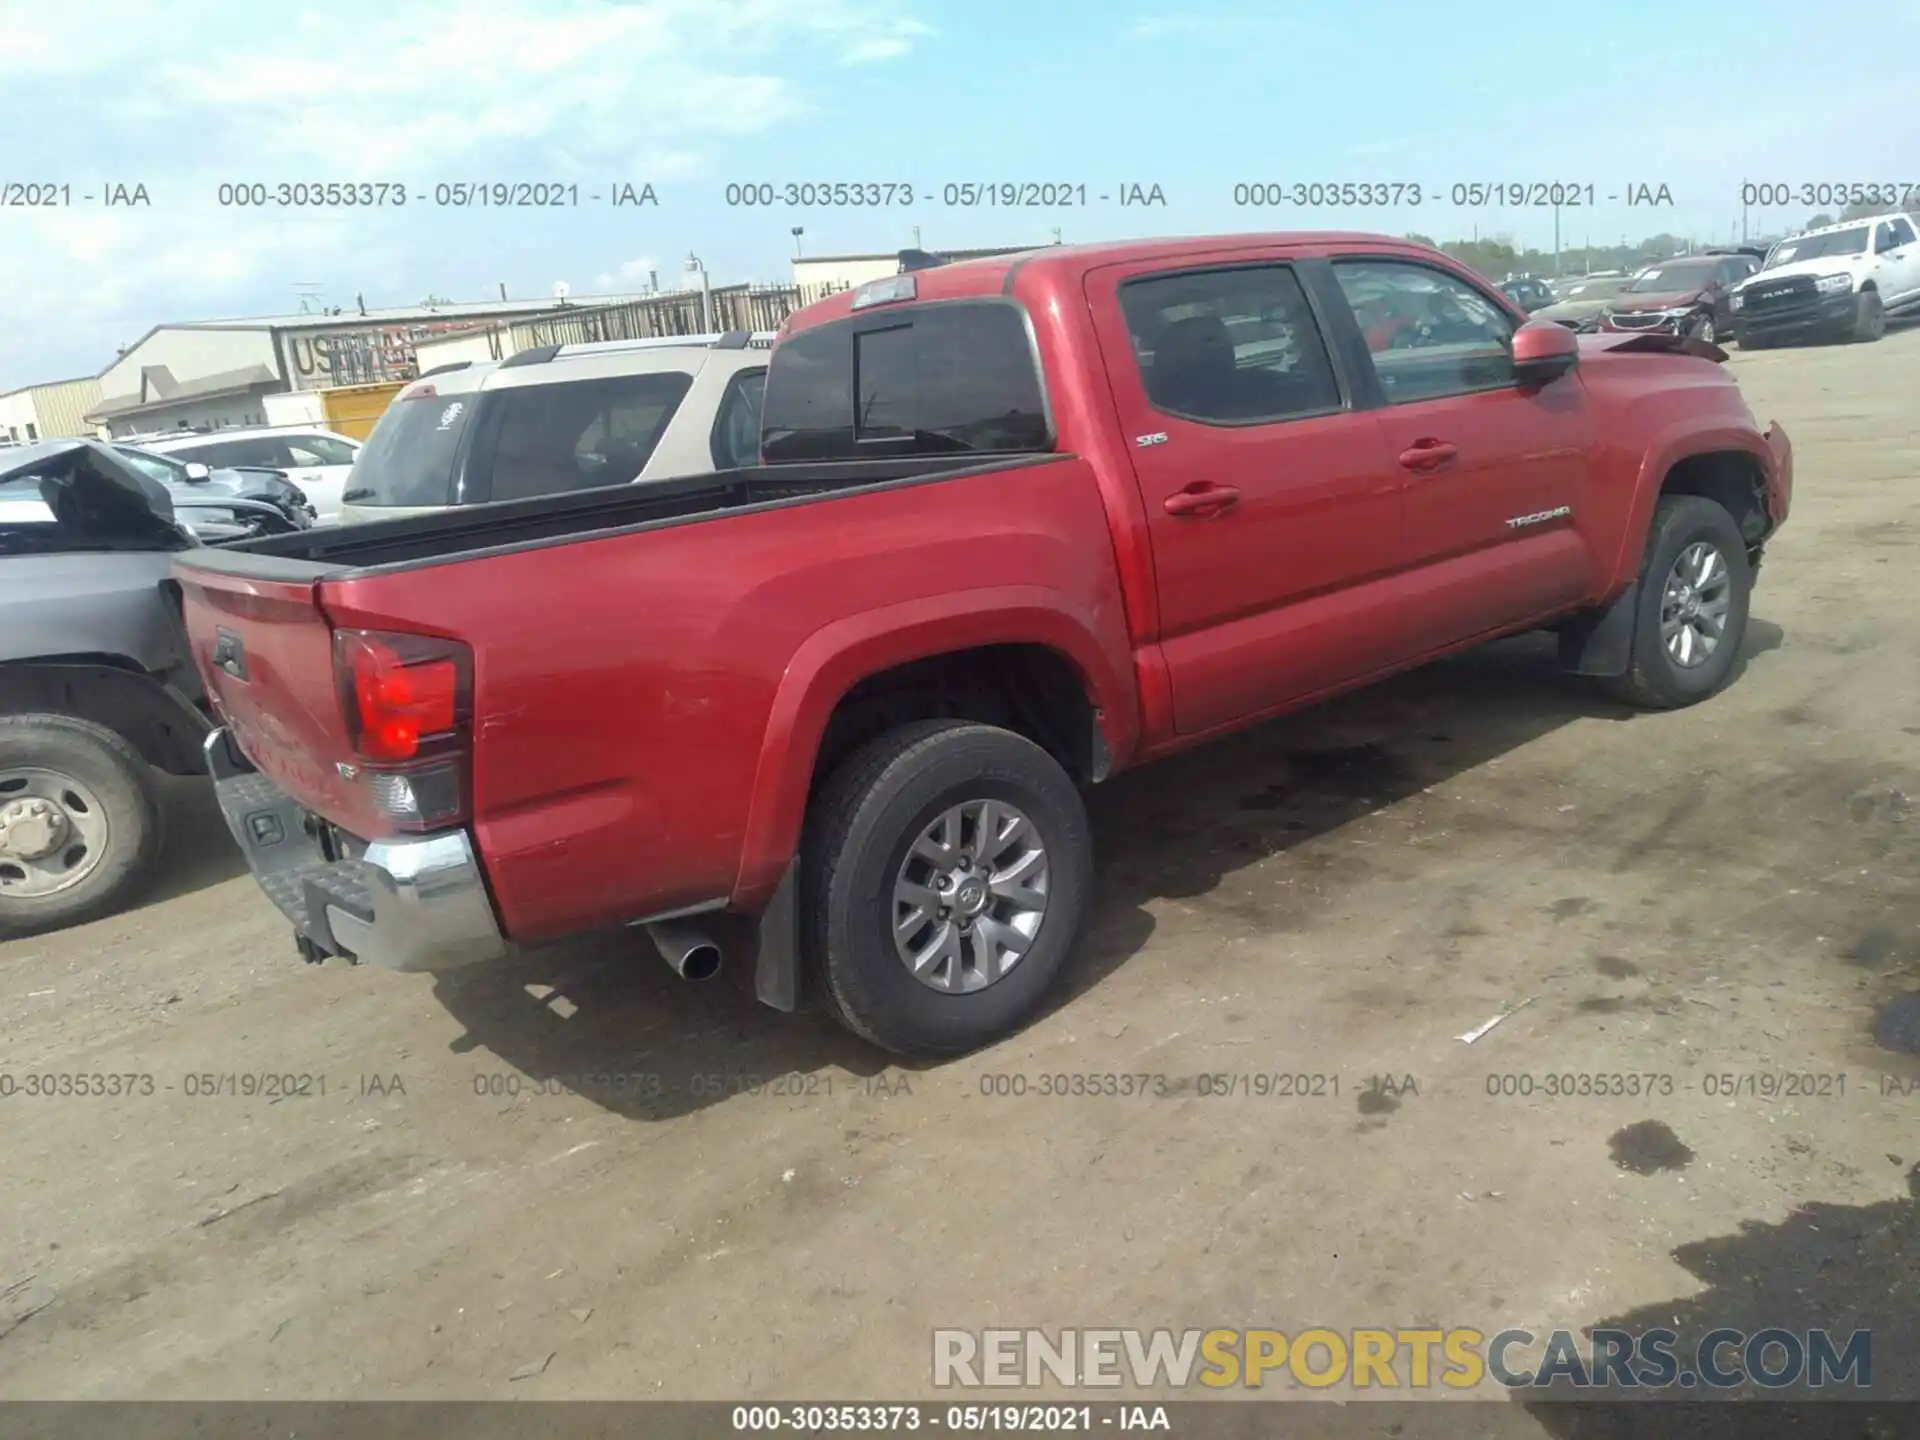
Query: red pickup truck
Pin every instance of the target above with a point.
(1020, 523)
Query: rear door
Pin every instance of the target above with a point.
(1900, 260)
(1498, 475)
(1273, 506)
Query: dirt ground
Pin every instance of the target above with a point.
(579, 1171)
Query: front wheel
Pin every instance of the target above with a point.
(79, 822)
(1751, 341)
(1869, 319)
(1703, 329)
(1691, 612)
(945, 876)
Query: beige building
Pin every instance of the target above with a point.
(47, 412)
(211, 374)
(839, 271)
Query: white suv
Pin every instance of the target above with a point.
(1840, 280)
(562, 418)
(316, 460)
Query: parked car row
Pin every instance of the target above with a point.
(1842, 281)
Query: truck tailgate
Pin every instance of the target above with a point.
(265, 649)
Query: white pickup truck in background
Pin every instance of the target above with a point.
(1839, 282)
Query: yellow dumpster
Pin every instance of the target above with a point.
(351, 410)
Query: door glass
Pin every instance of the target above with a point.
(575, 435)
(1229, 347)
(736, 429)
(1430, 333)
(318, 450)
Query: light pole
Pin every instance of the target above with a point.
(694, 267)
(798, 231)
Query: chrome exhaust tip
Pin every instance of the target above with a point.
(690, 951)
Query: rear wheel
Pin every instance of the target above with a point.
(79, 822)
(1691, 612)
(1869, 319)
(945, 877)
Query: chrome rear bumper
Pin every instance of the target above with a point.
(413, 904)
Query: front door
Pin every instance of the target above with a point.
(1273, 507)
(1899, 262)
(1498, 504)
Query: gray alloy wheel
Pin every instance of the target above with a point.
(54, 832)
(970, 896)
(1694, 604)
(1704, 331)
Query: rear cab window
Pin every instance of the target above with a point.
(946, 377)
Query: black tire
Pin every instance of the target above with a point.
(1703, 328)
(859, 830)
(1869, 319)
(1656, 680)
(1750, 341)
(108, 766)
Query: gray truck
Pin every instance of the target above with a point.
(96, 690)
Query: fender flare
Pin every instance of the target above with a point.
(835, 658)
(1672, 444)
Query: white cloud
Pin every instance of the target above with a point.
(190, 94)
(627, 277)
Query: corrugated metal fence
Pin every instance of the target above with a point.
(733, 307)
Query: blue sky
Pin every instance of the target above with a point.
(693, 94)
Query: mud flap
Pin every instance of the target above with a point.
(1601, 643)
(776, 961)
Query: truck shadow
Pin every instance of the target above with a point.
(1838, 1268)
(603, 1014)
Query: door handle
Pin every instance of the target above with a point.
(1429, 455)
(1201, 498)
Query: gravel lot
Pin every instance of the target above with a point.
(576, 1170)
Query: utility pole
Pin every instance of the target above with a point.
(1556, 242)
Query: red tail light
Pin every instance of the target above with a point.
(408, 701)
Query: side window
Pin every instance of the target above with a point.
(318, 450)
(736, 426)
(270, 453)
(1229, 347)
(575, 435)
(945, 378)
(1431, 334)
(1902, 232)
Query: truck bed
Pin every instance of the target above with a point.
(467, 532)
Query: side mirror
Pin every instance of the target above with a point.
(197, 472)
(1543, 351)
